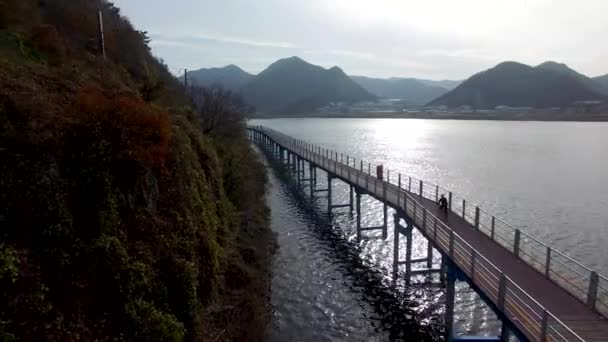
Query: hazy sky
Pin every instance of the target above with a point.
(435, 39)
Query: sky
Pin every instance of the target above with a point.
(432, 39)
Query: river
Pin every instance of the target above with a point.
(546, 178)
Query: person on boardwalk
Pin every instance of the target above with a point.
(443, 203)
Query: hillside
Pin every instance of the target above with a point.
(121, 220)
(563, 68)
(602, 81)
(518, 85)
(447, 84)
(408, 89)
(292, 86)
(230, 77)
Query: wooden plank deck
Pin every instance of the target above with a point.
(529, 298)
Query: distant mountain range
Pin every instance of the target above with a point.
(602, 81)
(230, 77)
(410, 90)
(291, 86)
(447, 84)
(514, 84)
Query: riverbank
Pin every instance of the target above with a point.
(581, 117)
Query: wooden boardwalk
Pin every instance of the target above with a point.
(539, 305)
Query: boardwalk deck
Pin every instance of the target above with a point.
(539, 307)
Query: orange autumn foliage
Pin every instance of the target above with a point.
(135, 129)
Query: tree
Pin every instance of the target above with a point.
(220, 110)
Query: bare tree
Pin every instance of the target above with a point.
(220, 110)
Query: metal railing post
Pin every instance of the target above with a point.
(473, 258)
(502, 287)
(399, 180)
(424, 219)
(464, 205)
(421, 188)
(409, 188)
(450, 200)
(436, 193)
(543, 326)
(477, 218)
(493, 225)
(361, 166)
(516, 242)
(592, 292)
(451, 248)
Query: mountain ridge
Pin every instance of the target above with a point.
(230, 77)
(514, 84)
(410, 90)
(292, 85)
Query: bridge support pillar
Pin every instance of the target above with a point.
(329, 179)
(352, 190)
(385, 221)
(429, 254)
(408, 251)
(450, 301)
(299, 170)
(311, 183)
(396, 233)
(505, 335)
(443, 269)
(358, 206)
(383, 227)
(407, 231)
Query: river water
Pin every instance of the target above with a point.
(546, 178)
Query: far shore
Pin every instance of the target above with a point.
(583, 117)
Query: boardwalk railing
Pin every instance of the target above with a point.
(531, 317)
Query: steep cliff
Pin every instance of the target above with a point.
(120, 219)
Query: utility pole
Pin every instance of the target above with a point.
(102, 43)
(186, 78)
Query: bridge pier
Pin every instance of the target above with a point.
(312, 182)
(383, 227)
(329, 178)
(407, 232)
(450, 292)
(330, 204)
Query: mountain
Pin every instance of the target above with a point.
(231, 77)
(291, 86)
(410, 90)
(518, 85)
(563, 68)
(602, 81)
(447, 84)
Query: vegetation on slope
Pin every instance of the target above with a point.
(230, 77)
(518, 85)
(293, 86)
(121, 219)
